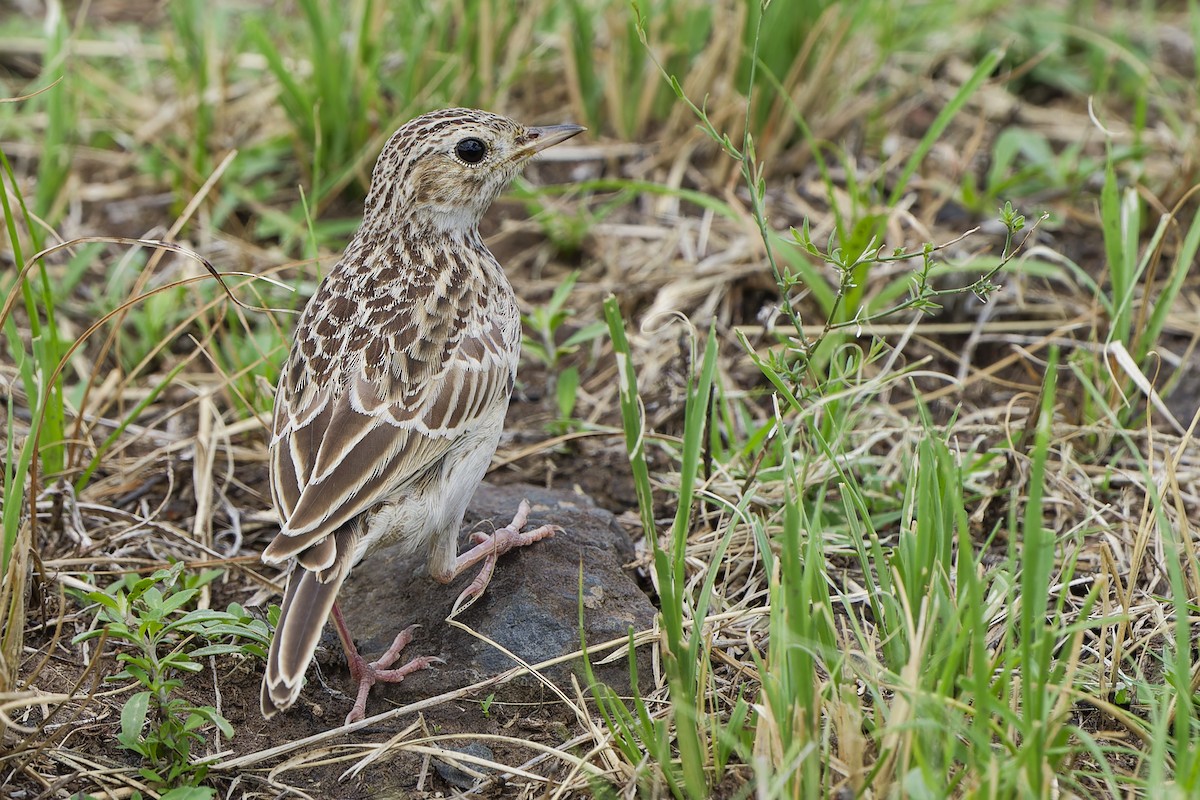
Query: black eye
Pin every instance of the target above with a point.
(471, 150)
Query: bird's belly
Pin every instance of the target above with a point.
(429, 513)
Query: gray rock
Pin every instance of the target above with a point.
(531, 606)
(458, 777)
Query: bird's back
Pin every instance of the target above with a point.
(405, 349)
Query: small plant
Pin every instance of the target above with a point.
(541, 342)
(145, 615)
(544, 322)
(566, 392)
(692, 741)
(1144, 279)
(566, 227)
(846, 308)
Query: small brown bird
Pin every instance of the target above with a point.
(391, 403)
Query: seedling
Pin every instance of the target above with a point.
(145, 615)
(544, 322)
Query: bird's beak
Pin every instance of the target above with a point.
(538, 139)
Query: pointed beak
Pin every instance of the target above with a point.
(538, 139)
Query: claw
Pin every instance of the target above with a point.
(367, 675)
(489, 548)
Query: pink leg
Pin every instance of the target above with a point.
(488, 549)
(367, 675)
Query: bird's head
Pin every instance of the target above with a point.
(444, 169)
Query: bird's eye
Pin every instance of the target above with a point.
(471, 150)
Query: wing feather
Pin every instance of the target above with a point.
(366, 439)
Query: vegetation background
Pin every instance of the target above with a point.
(875, 321)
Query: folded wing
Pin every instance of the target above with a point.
(345, 442)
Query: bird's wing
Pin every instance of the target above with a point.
(344, 442)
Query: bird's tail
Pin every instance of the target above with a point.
(307, 603)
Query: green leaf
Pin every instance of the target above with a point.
(239, 629)
(559, 298)
(195, 619)
(535, 349)
(133, 716)
(103, 598)
(216, 650)
(92, 634)
(151, 776)
(142, 585)
(566, 391)
(632, 415)
(212, 715)
(182, 661)
(177, 600)
(134, 669)
(190, 793)
(585, 335)
(153, 598)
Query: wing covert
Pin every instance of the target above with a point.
(354, 442)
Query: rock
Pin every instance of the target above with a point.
(458, 777)
(531, 606)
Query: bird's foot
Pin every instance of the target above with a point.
(489, 548)
(367, 675)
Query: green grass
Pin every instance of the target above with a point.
(896, 298)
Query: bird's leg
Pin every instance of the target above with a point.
(367, 675)
(489, 548)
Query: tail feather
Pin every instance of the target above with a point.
(307, 603)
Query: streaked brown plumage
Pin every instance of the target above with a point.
(391, 403)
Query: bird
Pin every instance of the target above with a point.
(391, 402)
